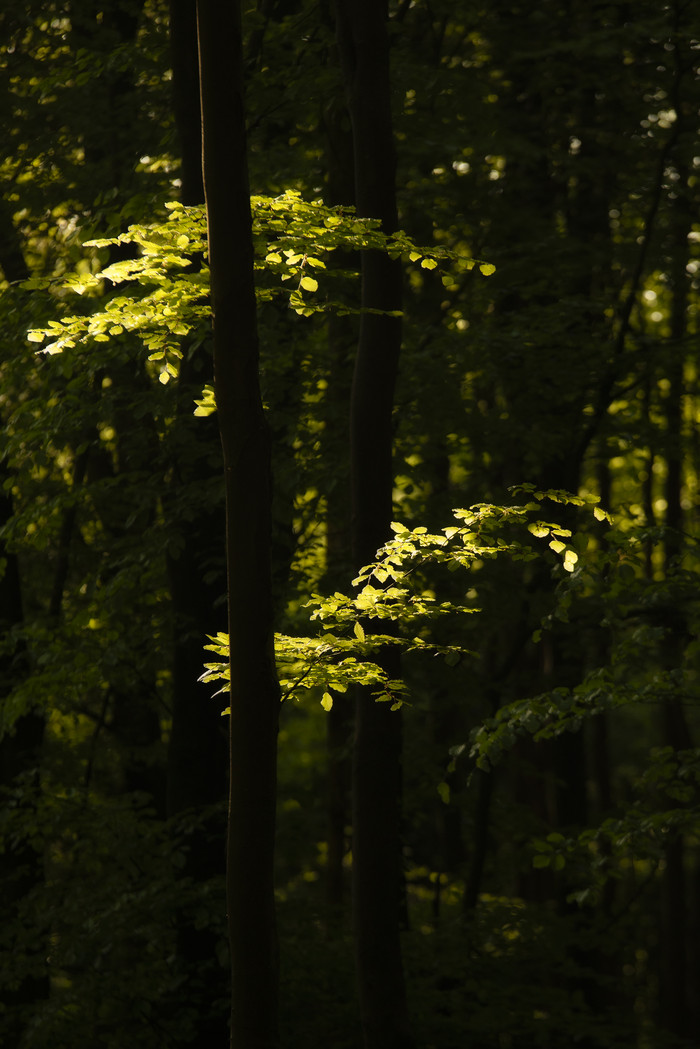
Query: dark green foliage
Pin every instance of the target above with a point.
(551, 785)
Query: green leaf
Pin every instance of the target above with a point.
(359, 632)
(542, 859)
(570, 559)
(309, 284)
(327, 701)
(557, 546)
(444, 792)
(487, 268)
(429, 264)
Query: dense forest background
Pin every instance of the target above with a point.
(547, 873)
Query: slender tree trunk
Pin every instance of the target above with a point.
(21, 868)
(183, 47)
(254, 689)
(364, 52)
(675, 984)
(342, 339)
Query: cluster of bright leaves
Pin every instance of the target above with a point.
(392, 590)
(167, 286)
(167, 283)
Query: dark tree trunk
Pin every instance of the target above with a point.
(183, 47)
(197, 753)
(244, 435)
(21, 867)
(674, 981)
(342, 339)
(364, 52)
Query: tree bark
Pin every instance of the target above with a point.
(21, 869)
(254, 689)
(364, 53)
(185, 59)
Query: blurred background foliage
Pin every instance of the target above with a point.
(551, 781)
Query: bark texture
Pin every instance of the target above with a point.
(244, 435)
(364, 51)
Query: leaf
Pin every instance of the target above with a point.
(309, 284)
(600, 514)
(444, 792)
(429, 264)
(487, 268)
(359, 632)
(35, 336)
(327, 701)
(557, 546)
(541, 860)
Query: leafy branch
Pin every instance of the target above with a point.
(392, 590)
(167, 284)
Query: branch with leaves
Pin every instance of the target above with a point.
(392, 589)
(167, 283)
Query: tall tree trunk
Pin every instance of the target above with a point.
(197, 753)
(674, 982)
(185, 59)
(244, 436)
(21, 868)
(364, 52)
(342, 339)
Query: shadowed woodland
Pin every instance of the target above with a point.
(462, 806)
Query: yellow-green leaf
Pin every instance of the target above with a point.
(538, 530)
(309, 284)
(327, 701)
(487, 268)
(428, 264)
(359, 632)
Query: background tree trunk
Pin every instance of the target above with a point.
(364, 52)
